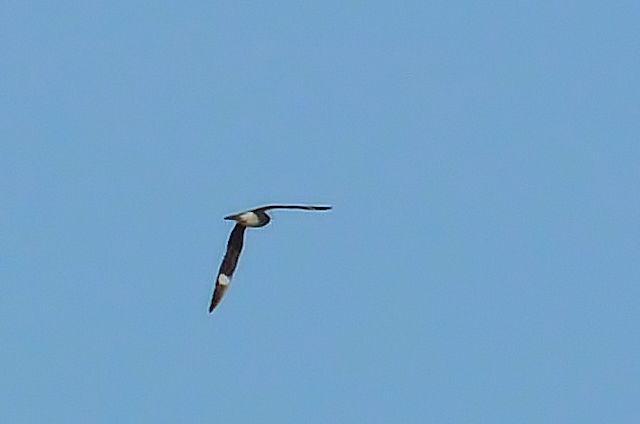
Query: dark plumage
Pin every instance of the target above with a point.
(229, 263)
(251, 218)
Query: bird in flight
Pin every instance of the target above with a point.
(251, 218)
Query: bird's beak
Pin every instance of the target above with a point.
(231, 217)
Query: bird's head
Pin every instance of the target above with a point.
(250, 219)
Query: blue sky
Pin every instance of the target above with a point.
(481, 263)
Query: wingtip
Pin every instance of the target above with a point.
(214, 303)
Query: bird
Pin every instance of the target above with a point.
(251, 218)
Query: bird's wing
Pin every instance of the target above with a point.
(305, 207)
(234, 247)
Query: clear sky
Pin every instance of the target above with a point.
(481, 263)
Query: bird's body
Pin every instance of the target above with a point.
(251, 218)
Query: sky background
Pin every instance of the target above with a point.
(481, 263)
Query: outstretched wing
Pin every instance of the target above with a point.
(305, 207)
(234, 247)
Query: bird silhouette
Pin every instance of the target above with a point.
(251, 218)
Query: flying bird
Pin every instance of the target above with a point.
(251, 218)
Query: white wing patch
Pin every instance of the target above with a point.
(223, 280)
